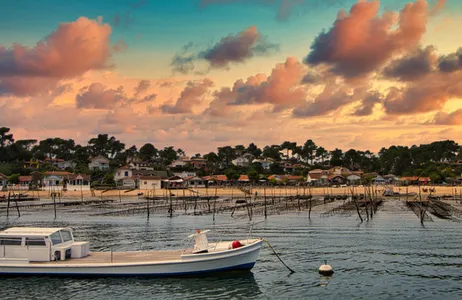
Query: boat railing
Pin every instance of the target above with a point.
(108, 249)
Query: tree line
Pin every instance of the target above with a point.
(433, 160)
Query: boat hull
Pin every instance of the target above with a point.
(243, 258)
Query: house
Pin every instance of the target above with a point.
(78, 182)
(353, 179)
(294, 179)
(60, 163)
(140, 165)
(25, 182)
(32, 164)
(55, 179)
(184, 174)
(178, 163)
(379, 180)
(150, 182)
(424, 180)
(129, 178)
(198, 163)
(175, 182)
(3, 181)
(195, 182)
(99, 163)
(409, 180)
(336, 179)
(391, 179)
(216, 179)
(338, 170)
(242, 161)
(243, 179)
(265, 163)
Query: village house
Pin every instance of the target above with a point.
(379, 180)
(129, 178)
(216, 179)
(242, 161)
(353, 179)
(174, 182)
(414, 180)
(140, 165)
(184, 174)
(265, 163)
(195, 182)
(78, 182)
(391, 179)
(338, 171)
(198, 163)
(336, 179)
(178, 163)
(243, 179)
(150, 182)
(99, 163)
(25, 182)
(55, 179)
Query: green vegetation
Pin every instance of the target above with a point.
(435, 160)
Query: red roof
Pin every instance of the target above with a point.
(243, 178)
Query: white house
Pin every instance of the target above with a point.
(62, 165)
(353, 179)
(178, 163)
(150, 182)
(265, 163)
(141, 165)
(99, 163)
(241, 161)
(55, 179)
(185, 174)
(195, 182)
(123, 172)
(338, 170)
(379, 180)
(78, 182)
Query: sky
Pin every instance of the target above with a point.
(200, 74)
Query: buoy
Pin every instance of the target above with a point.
(326, 269)
(236, 244)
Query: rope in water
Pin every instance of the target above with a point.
(275, 253)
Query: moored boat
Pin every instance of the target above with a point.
(53, 251)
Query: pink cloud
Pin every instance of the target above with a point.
(362, 41)
(454, 118)
(191, 96)
(97, 96)
(71, 50)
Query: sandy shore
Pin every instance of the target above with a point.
(234, 192)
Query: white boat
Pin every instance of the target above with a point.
(53, 251)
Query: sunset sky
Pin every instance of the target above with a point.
(199, 74)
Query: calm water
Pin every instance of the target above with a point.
(391, 257)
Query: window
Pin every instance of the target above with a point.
(126, 173)
(10, 241)
(35, 242)
(145, 183)
(67, 236)
(56, 238)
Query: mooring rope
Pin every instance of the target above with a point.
(275, 253)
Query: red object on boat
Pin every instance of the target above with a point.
(236, 244)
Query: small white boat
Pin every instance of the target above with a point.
(53, 251)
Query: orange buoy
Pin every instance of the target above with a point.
(236, 244)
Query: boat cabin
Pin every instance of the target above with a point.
(40, 244)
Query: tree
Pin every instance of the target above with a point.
(105, 146)
(273, 152)
(309, 150)
(148, 152)
(254, 150)
(321, 153)
(226, 154)
(5, 138)
(253, 176)
(336, 157)
(180, 152)
(168, 154)
(232, 174)
(14, 178)
(286, 146)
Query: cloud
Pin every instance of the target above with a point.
(120, 46)
(451, 62)
(427, 94)
(454, 118)
(329, 100)
(234, 48)
(142, 87)
(412, 66)
(97, 96)
(70, 51)
(191, 96)
(368, 103)
(360, 42)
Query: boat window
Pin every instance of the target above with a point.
(10, 241)
(35, 242)
(66, 235)
(56, 238)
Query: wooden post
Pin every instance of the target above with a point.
(147, 206)
(264, 194)
(357, 207)
(54, 203)
(8, 205)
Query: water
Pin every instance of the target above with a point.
(390, 257)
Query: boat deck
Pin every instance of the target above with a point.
(122, 257)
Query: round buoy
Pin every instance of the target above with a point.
(326, 270)
(236, 244)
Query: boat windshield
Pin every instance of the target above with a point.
(56, 238)
(67, 236)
